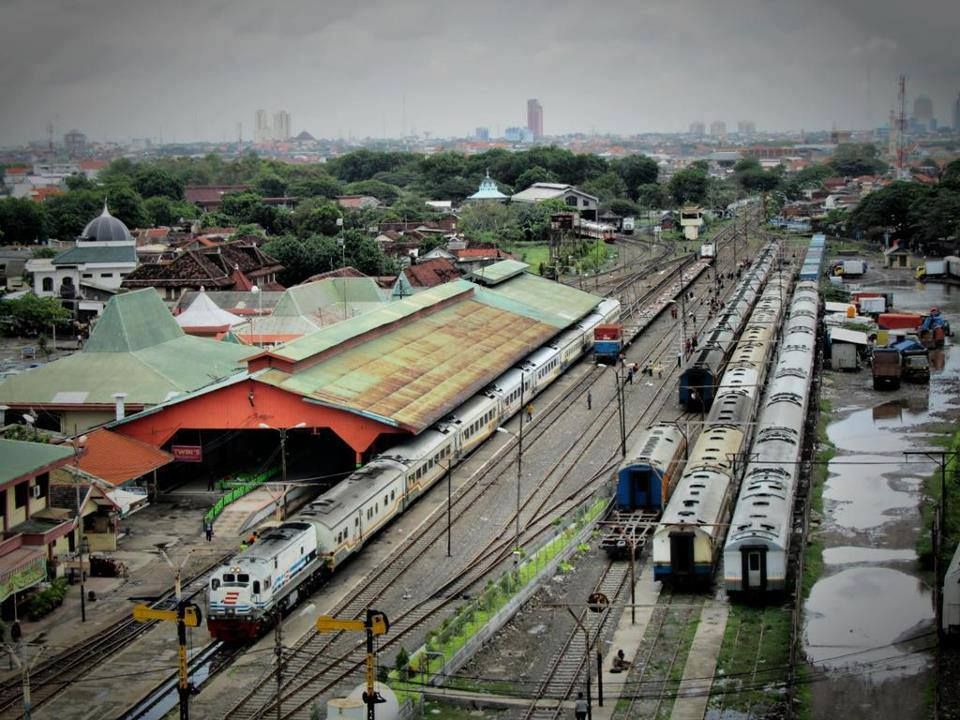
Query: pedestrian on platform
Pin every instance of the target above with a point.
(211, 485)
(589, 400)
(208, 531)
(243, 545)
(580, 707)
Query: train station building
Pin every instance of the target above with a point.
(348, 391)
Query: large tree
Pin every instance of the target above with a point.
(636, 170)
(852, 159)
(32, 315)
(156, 182)
(689, 185)
(22, 221)
(889, 207)
(69, 213)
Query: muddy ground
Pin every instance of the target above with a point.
(869, 620)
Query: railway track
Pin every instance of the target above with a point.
(562, 674)
(311, 652)
(51, 676)
(654, 679)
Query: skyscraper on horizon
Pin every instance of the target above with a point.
(535, 118)
(281, 126)
(718, 129)
(698, 129)
(261, 127)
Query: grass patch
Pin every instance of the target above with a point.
(932, 490)
(534, 254)
(752, 632)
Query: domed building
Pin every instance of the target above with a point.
(87, 275)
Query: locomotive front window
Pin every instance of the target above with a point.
(243, 578)
(214, 584)
(229, 577)
(256, 587)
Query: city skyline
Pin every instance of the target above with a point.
(788, 72)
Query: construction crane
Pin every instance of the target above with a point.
(375, 623)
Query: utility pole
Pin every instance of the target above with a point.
(278, 634)
(375, 623)
(25, 667)
(186, 615)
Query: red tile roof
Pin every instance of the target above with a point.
(93, 164)
(117, 458)
(17, 171)
(430, 273)
(42, 193)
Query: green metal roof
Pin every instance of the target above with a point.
(499, 271)
(548, 301)
(334, 335)
(97, 254)
(133, 321)
(18, 458)
(148, 376)
(415, 373)
(308, 298)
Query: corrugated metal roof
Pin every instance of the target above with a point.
(334, 335)
(848, 336)
(97, 254)
(148, 376)
(499, 271)
(416, 373)
(17, 458)
(542, 299)
(133, 321)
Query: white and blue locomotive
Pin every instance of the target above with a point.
(245, 595)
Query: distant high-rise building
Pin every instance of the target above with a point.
(535, 118)
(518, 135)
(281, 126)
(482, 133)
(746, 127)
(923, 110)
(718, 129)
(698, 129)
(76, 143)
(956, 113)
(261, 127)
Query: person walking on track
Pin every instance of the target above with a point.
(529, 412)
(580, 707)
(589, 401)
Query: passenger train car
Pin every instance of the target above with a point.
(689, 539)
(700, 377)
(756, 553)
(246, 595)
(645, 478)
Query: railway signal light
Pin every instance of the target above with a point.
(375, 623)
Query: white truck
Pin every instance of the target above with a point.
(850, 268)
(932, 268)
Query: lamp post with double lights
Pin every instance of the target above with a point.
(283, 462)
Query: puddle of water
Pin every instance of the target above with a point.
(868, 431)
(862, 615)
(862, 494)
(848, 555)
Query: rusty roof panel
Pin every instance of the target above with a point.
(334, 335)
(418, 372)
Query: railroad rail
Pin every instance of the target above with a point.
(51, 676)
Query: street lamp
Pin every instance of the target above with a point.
(256, 291)
(283, 462)
(519, 438)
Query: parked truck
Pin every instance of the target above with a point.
(931, 269)
(849, 268)
(887, 368)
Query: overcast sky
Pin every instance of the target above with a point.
(184, 70)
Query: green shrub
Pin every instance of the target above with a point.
(47, 600)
